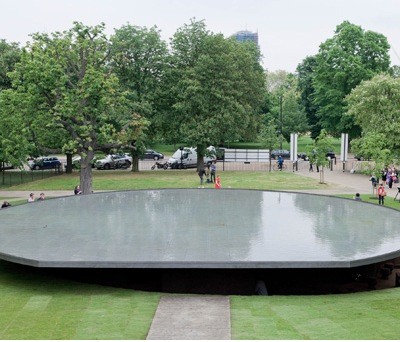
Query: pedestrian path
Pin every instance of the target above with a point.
(191, 318)
(339, 182)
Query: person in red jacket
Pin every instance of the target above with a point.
(381, 194)
(218, 183)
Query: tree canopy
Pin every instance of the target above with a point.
(343, 61)
(64, 80)
(286, 108)
(218, 88)
(375, 106)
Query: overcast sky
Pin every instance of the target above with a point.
(289, 30)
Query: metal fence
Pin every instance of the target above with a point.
(15, 177)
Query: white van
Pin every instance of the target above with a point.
(187, 157)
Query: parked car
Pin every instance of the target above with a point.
(220, 153)
(361, 157)
(276, 153)
(76, 162)
(44, 163)
(331, 155)
(302, 155)
(114, 161)
(5, 166)
(151, 154)
(187, 157)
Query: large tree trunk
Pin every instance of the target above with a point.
(86, 181)
(135, 164)
(68, 168)
(200, 157)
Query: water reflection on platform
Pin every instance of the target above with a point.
(199, 228)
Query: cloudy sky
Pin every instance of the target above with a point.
(289, 30)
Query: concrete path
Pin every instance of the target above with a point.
(339, 182)
(191, 318)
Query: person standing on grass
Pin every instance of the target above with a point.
(201, 174)
(357, 197)
(384, 176)
(218, 182)
(213, 168)
(381, 194)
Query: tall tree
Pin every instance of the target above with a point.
(269, 139)
(14, 145)
(286, 110)
(9, 55)
(375, 106)
(139, 58)
(373, 146)
(219, 87)
(305, 73)
(343, 61)
(65, 80)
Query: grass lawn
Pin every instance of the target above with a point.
(39, 306)
(125, 180)
(389, 201)
(358, 316)
(35, 305)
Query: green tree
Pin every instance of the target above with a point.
(13, 143)
(65, 79)
(343, 61)
(374, 105)
(322, 145)
(286, 109)
(139, 58)
(9, 55)
(373, 146)
(218, 87)
(269, 138)
(305, 74)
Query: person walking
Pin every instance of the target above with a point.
(381, 194)
(280, 162)
(201, 174)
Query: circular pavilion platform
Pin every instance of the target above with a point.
(199, 229)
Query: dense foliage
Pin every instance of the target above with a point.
(343, 61)
(79, 91)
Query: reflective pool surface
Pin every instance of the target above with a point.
(199, 228)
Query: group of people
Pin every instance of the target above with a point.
(390, 176)
(31, 197)
(211, 173)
